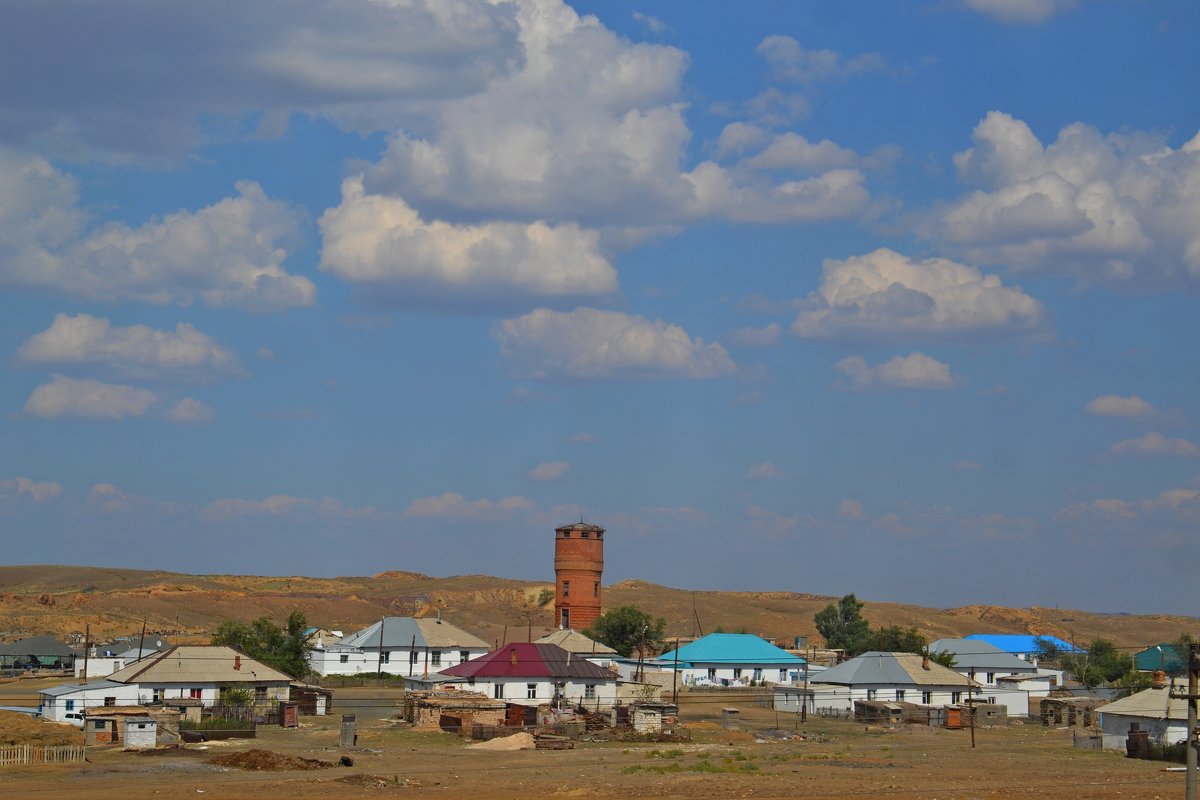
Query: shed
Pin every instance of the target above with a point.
(139, 733)
(315, 701)
(1153, 711)
(654, 717)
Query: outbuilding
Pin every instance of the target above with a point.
(1152, 710)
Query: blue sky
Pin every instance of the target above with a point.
(897, 299)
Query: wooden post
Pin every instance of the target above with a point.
(971, 704)
(804, 697)
(1193, 673)
(87, 636)
(349, 737)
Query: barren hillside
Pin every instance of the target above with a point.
(61, 599)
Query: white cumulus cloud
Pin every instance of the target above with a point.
(230, 253)
(791, 61)
(763, 470)
(1020, 11)
(382, 243)
(549, 471)
(884, 293)
(589, 343)
(1155, 444)
(452, 505)
(1117, 209)
(38, 491)
(1111, 405)
(590, 129)
(190, 411)
(913, 371)
(87, 399)
(136, 349)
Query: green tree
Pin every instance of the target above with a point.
(1047, 651)
(943, 657)
(1101, 663)
(284, 648)
(842, 624)
(626, 628)
(895, 639)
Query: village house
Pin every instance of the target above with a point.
(529, 674)
(731, 659)
(36, 652)
(883, 677)
(202, 672)
(1161, 657)
(1152, 710)
(1005, 679)
(67, 703)
(400, 646)
(1023, 645)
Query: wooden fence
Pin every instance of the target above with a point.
(21, 754)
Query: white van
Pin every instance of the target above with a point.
(73, 718)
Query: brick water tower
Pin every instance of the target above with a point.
(578, 565)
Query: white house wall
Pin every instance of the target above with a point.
(209, 693)
(397, 661)
(55, 709)
(99, 666)
(516, 691)
(841, 698)
(700, 674)
(1115, 728)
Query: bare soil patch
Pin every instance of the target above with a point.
(267, 761)
(18, 728)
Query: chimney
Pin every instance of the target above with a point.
(1160, 679)
(237, 663)
(512, 656)
(925, 662)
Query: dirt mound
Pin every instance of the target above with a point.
(17, 728)
(375, 781)
(518, 741)
(267, 761)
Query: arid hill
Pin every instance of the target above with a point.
(59, 600)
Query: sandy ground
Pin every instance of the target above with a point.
(833, 759)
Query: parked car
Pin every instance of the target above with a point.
(74, 718)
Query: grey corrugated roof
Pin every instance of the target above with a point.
(576, 642)
(980, 655)
(36, 646)
(199, 664)
(401, 631)
(1149, 703)
(71, 688)
(901, 669)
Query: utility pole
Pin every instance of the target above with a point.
(675, 678)
(379, 660)
(804, 697)
(971, 704)
(1191, 697)
(142, 642)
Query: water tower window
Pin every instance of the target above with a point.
(596, 589)
(566, 588)
(599, 535)
(566, 534)
(584, 535)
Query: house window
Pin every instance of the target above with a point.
(783, 676)
(464, 655)
(757, 674)
(98, 724)
(737, 672)
(260, 695)
(385, 656)
(956, 697)
(927, 698)
(899, 695)
(531, 691)
(195, 694)
(991, 677)
(498, 691)
(435, 657)
(156, 696)
(870, 694)
(712, 673)
(566, 588)
(110, 701)
(992, 699)
(70, 705)
(344, 658)
(412, 657)
(589, 691)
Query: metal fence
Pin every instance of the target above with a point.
(22, 754)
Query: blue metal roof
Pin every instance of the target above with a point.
(731, 648)
(1022, 643)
